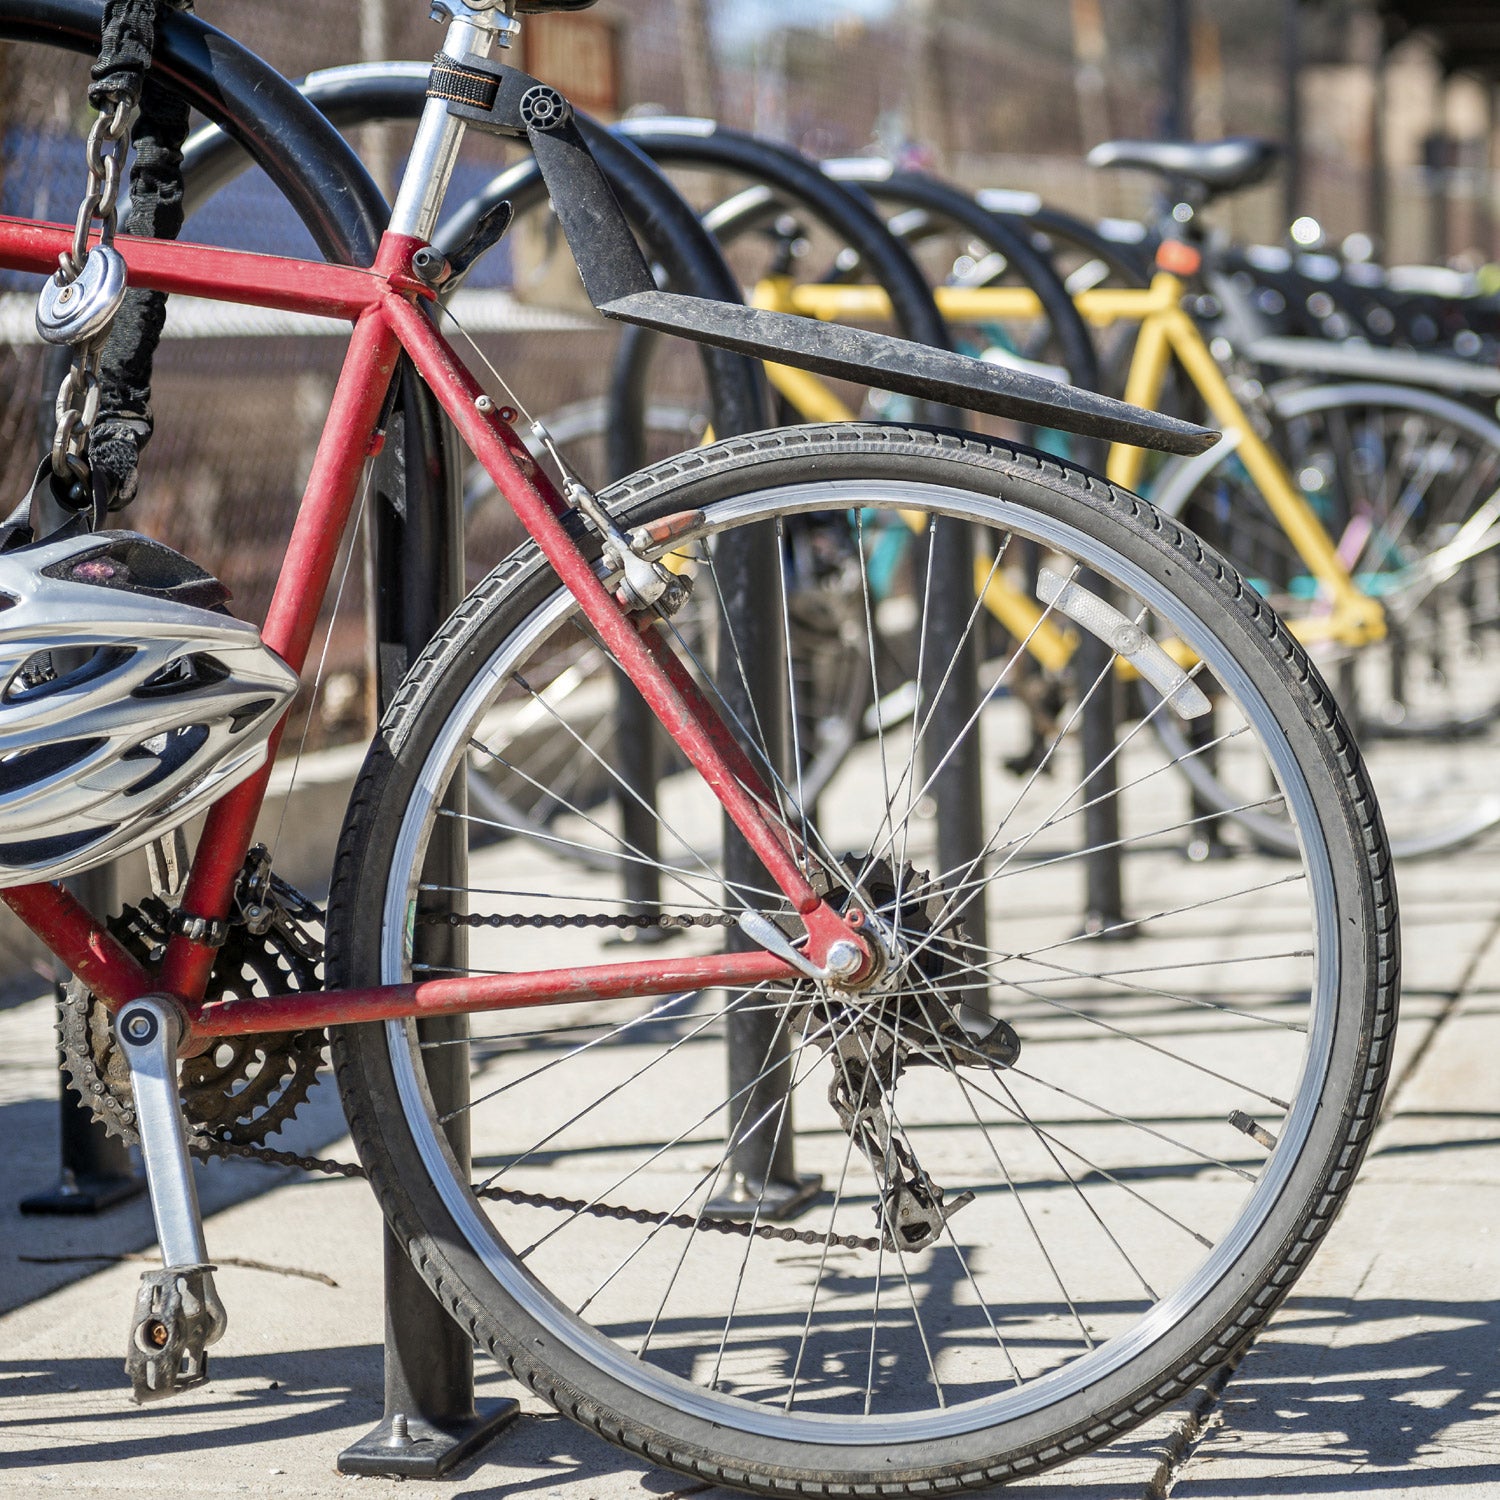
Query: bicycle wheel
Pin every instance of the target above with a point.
(1407, 483)
(1013, 1257)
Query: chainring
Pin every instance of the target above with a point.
(243, 1089)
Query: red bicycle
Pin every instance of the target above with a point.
(1051, 1178)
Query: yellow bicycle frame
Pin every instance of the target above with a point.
(1352, 617)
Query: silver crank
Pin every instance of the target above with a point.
(178, 1313)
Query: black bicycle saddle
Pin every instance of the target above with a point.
(1219, 166)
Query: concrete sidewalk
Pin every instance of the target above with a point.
(1381, 1377)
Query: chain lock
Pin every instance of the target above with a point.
(79, 302)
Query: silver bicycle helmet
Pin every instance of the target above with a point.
(129, 700)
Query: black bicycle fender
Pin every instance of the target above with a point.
(620, 286)
(911, 369)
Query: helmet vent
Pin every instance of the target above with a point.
(185, 675)
(51, 672)
(250, 713)
(26, 768)
(125, 560)
(170, 751)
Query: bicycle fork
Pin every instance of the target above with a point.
(178, 1313)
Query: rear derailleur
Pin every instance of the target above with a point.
(912, 1014)
(912, 1211)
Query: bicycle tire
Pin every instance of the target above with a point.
(686, 1421)
(1428, 736)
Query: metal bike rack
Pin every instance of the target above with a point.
(429, 1362)
(96, 1170)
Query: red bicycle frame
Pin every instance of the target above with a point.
(382, 302)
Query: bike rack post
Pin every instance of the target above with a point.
(637, 734)
(1206, 836)
(1104, 899)
(947, 708)
(431, 1422)
(1104, 881)
(97, 1171)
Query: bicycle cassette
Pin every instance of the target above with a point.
(243, 1089)
(921, 1003)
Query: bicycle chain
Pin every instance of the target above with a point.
(207, 1146)
(203, 1145)
(666, 919)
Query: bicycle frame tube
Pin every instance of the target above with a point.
(1354, 617)
(382, 302)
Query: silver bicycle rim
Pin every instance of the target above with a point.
(1082, 1372)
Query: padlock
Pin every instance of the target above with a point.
(76, 311)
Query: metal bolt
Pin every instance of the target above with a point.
(484, 404)
(844, 959)
(138, 1026)
(430, 265)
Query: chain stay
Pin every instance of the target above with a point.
(208, 1146)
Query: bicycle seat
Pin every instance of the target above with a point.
(1217, 166)
(537, 7)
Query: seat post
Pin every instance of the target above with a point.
(474, 28)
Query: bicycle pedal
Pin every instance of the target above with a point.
(178, 1314)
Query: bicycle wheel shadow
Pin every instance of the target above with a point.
(1406, 1387)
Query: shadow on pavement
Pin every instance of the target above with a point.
(253, 1398)
(1410, 1386)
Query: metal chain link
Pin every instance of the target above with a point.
(205, 1145)
(663, 919)
(78, 396)
(202, 1145)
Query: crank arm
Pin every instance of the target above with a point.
(178, 1312)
